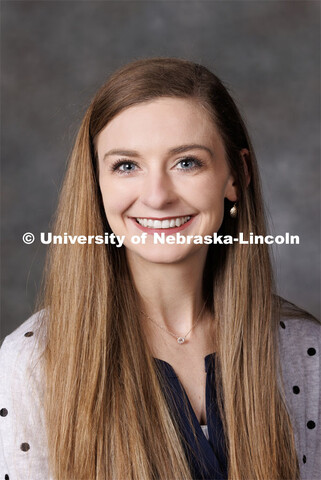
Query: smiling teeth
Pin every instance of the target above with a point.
(173, 222)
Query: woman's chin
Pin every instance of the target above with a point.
(162, 254)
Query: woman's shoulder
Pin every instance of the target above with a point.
(299, 332)
(32, 324)
(21, 349)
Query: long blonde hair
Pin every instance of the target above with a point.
(107, 417)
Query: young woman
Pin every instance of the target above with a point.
(160, 354)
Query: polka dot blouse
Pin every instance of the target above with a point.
(23, 446)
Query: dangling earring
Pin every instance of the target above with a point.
(233, 211)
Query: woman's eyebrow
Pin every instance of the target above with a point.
(175, 150)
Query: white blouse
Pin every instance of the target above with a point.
(205, 431)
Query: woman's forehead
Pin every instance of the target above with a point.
(163, 122)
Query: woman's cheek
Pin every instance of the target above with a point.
(116, 198)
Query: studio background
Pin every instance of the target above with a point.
(55, 55)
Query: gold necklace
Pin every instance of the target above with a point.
(180, 339)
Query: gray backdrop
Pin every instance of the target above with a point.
(55, 54)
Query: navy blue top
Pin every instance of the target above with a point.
(207, 458)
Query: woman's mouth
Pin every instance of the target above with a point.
(166, 225)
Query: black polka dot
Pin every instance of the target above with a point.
(311, 351)
(311, 424)
(6, 477)
(25, 447)
(282, 324)
(296, 389)
(3, 412)
(28, 334)
(304, 459)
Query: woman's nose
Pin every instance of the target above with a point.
(158, 190)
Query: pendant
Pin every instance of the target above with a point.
(180, 340)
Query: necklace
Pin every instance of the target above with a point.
(180, 339)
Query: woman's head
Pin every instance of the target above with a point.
(163, 171)
(153, 82)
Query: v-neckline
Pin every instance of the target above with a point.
(170, 373)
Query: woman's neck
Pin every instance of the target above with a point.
(171, 293)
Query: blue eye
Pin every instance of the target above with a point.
(189, 163)
(128, 166)
(124, 166)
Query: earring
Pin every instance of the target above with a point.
(233, 211)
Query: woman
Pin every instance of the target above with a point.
(155, 359)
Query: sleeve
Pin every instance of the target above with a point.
(300, 344)
(23, 443)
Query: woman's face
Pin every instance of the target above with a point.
(163, 168)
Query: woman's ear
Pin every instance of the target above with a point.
(232, 186)
(231, 189)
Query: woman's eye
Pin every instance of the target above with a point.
(189, 163)
(127, 166)
(124, 167)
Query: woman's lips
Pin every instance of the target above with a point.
(167, 231)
